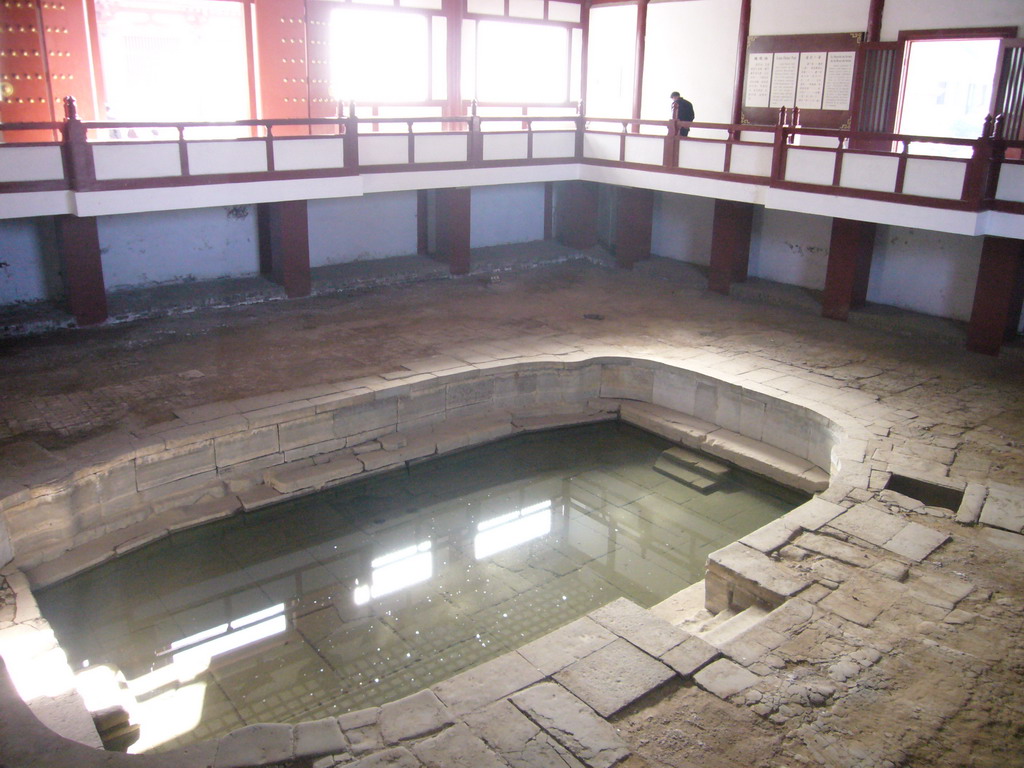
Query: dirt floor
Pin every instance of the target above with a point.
(935, 692)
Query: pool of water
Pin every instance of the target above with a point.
(367, 592)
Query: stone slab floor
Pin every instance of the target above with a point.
(880, 662)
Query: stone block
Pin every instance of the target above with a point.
(973, 500)
(258, 497)
(519, 741)
(306, 431)
(756, 574)
(813, 514)
(456, 747)
(412, 717)
(572, 724)
(319, 737)
(280, 414)
(725, 678)
(627, 381)
(286, 479)
(1004, 508)
(614, 676)
(174, 464)
(193, 433)
(836, 549)
(858, 606)
(369, 419)
(254, 745)
(460, 433)
(486, 683)
(690, 655)
(640, 627)
(869, 523)
(396, 757)
(675, 390)
(471, 392)
(915, 542)
(251, 444)
(360, 728)
(560, 648)
(679, 427)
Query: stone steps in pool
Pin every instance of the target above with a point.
(692, 469)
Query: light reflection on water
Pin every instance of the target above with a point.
(371, 591)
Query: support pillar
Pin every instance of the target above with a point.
(284, 245)
(849, 266)
(730, 244)
(576, 207)
(634, 218)
(78, 246)
(998, 295)
(451, 212)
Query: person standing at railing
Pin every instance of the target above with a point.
(681, 110)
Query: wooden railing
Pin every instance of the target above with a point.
(917, 170)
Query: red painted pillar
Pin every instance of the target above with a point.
(451, 212)
(849, 266)
(78, 246)
(576, 214)
(998, 295)
(634, 218)
(284, 245)
(730, 244)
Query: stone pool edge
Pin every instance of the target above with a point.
(639, 391)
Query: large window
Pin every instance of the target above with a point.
(515, 62)
(167, 60)
(947, 88)
(380, 56)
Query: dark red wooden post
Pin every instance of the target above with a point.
(452, 215)
(730, 244)
(576, 213)
(284, 245)
(998, 295)
(634, 218)
(351, 139)
(851, 248)
(78, 246)
(78, 161)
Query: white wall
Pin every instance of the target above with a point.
(691, 48)
(806, 17)
(929, 272)
(950, 14)
(790, 248)
(511, 213)
(22, 262)
(682, 227)
(170, 246)
(353, 228)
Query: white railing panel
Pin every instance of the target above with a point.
(451, 148)
(601, 146)
(934, 178)
(702, 156)
(136, 161)
(31, 164)
(874, 172)
(807, 166)
(758, 137)
(647, 150)
(1011, 183)
(302, 154)
(383, 150)
(751, 160)
(549, 145)
(505, 146)
(207, 157)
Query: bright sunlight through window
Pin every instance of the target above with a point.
(379, 56)
(518, 63)
(948, 88)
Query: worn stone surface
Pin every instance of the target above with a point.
(690, 655)
(520, 741)
(487, 683)
(614, 676)
(573, 724)
(456, 747)
(1004, 508)
(254, 745)
(641, 628)
(725, 678)
(412, 717)
(558, 649)
(319, 737)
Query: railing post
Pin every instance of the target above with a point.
(78, 161)
(670, 158)
(581, 126)
(476, 139)
(350, 140)
(779, 147)
(976, 179)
